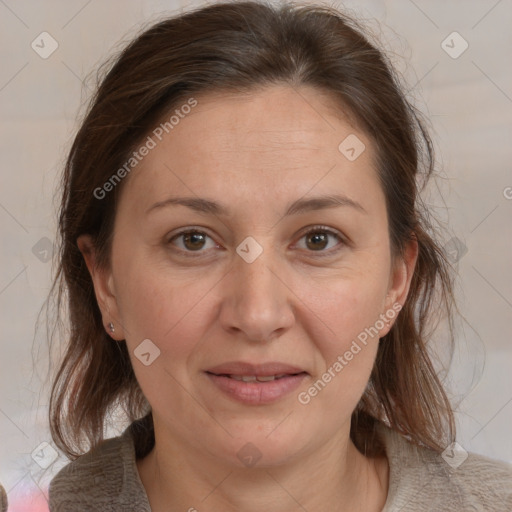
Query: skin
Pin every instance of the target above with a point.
(255, 153)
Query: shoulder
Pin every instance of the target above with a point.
(423, 480)
(105, 478)
(485, 483)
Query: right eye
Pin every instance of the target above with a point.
(192, 240)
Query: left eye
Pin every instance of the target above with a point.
(317, 239)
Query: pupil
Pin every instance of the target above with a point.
(194, 237)
(318, 237)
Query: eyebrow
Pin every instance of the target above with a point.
(299, 206)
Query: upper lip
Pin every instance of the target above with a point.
(264, 369)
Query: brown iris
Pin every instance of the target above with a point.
(317, 237)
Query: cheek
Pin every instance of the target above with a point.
(172, 315)
(346, 325)
(167, 309)
(348, 341)
(346, 307)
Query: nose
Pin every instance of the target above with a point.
(258, 304)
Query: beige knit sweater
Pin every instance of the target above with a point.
(106, 479)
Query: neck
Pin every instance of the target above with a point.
(338, 477)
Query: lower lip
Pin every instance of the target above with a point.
(257, 393)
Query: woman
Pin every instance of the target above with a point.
(256, 369)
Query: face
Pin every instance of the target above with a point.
(259, 275)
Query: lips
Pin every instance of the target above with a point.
(256, 384)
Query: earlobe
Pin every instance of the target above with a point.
(103, 287)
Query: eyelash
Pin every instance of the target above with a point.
(314, 229)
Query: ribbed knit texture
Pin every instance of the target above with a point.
(106, 479)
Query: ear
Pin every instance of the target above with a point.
(399, 283)
(103, 287)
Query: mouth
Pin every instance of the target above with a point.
(268, 369)
(256, 384)
(256, 378)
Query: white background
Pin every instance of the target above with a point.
(468, 100)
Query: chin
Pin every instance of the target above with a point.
(258, 449)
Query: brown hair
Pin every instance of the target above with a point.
(238, 47)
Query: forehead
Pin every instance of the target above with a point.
(275, 117)
(277, 138)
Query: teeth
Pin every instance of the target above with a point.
(259, 378)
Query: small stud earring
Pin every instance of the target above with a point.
(111, 327)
